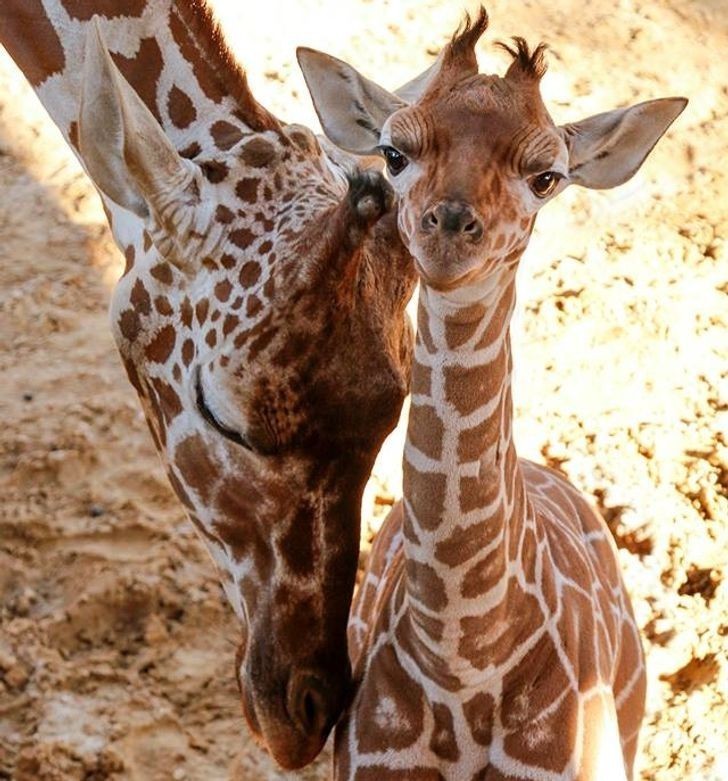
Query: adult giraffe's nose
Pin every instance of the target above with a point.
(312, 704)
(453, 218)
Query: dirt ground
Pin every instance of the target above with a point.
(116, 646)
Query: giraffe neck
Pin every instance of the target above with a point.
(170, 52)
(464, 503)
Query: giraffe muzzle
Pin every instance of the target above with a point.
(453, 220)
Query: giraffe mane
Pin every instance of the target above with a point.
(531, 64)
(228, 72)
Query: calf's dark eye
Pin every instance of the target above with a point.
(396, 161)
(545, 183)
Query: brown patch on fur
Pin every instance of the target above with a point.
(230, 324)
(224, 216)
(140, 299)
(425, 430)
(129, 324)
(169, 400)
(462, 544)
(160, 348)
(129, 255)
(250, 274)
(190, 151)
(143, 71)
(242, 237)
(482, 576)
(31, 40)
(478, 712)
(83, 10)
(425, 585)
(491, 638)
(258, 152)
(225, 135)
(253, 306)
(214, 171)
(223, 290)
(541, 742)
(188, 352)
(427, 495)
(442, 741)
(162, 305)
(395, 706)
(247, 190)
(162, 273)
(203, 44)
(195, 466)
(201, 309)
(73, 141)
(180, 108)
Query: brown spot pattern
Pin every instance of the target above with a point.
(442, 741)
(247, 190)
(161, 346)
(425, 585)
(250, 273)
(223, 290)
(140, 299)
(31, 41)
(204, 74)
(225, 135)
(195, 467)
(242, 237)
(181, 109)
(426, 492)
(143, 71)
(162, 273)
(258, 152)
(395, 706)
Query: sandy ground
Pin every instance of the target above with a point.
(116, 647)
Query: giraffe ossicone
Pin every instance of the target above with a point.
(493, 637)
(260, 317)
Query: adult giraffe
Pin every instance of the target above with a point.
(493, 638)
(260, 318)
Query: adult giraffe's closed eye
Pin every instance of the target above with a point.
(493, 639)
(260, 318)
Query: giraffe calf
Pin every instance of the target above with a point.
(493, 637)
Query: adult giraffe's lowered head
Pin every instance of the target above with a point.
(260, 318)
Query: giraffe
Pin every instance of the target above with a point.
(260, 318)
(493, 637)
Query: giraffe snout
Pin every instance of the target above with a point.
(453, 219)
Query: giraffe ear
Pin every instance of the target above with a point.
(607, 149)
(413, 90)
(352, 109)
(123, 147)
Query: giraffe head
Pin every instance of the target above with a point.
(261, 320)
(473, 157)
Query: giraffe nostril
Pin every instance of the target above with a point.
(453, 219)
(473, 229)
(429, 220)
(310, 704)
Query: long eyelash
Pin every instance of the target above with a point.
(233, 436)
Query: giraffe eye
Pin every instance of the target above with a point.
(544, 184)
(396, 161)
(209, 416)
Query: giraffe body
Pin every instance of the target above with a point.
(260, 317)
(493, 637)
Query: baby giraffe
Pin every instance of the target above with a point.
(493, 637)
